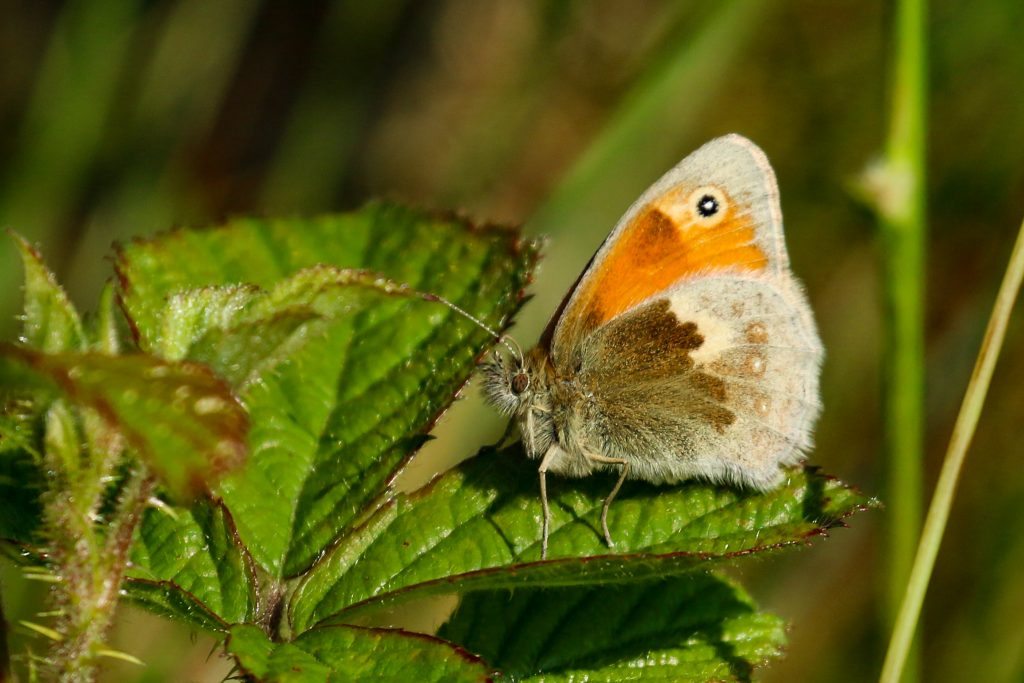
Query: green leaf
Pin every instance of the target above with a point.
(341, 360)
(51, 323)
(21, 478)
(352, 653)
(105, 332)
(694, 627)
(478, 526)
(180, 417)
(160, 598)
(21, 473)
(195, 554)
(190, 314)
(430, 252)
(320, 456)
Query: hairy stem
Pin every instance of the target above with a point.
(91, 570)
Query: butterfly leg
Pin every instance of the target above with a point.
(529, 431)
(604, 459)
(543, 470)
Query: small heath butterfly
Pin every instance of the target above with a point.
(686, 349)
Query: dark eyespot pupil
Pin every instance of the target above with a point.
(519, 382)
(707, 206)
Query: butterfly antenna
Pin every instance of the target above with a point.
(508, 342)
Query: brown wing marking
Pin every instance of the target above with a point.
(651, 347)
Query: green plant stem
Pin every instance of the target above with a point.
(963, 431)
(131, 504)
(902, 210)
(92, 581)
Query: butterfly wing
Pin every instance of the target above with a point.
(689, 334)
(664, 239)
(717, 378)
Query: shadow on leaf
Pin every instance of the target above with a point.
(701, 625)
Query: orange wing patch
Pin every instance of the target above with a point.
(661, 246)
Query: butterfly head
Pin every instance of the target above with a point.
(508, 382)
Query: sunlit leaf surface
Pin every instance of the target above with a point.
(341, 364)
(478, 526)
(350, 653)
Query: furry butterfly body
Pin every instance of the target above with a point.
(687, 348)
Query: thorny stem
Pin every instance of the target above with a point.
(131, 504)
(91, 571)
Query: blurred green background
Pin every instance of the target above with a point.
(126, 117)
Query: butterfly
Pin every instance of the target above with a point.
(686, 349)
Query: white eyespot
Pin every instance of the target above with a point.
(755, 365)
(708, 205)
(756, 333)
(762, 406)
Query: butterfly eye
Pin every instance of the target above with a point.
(708, 205)
(520, 383)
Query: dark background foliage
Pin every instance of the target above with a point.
(125, 117)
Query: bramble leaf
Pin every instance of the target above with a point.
(50, 321)
(478, 527)
(341, 361)
(352, 653)
(21, 477)
(180, 417)
(195, 559)
(694, 627)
